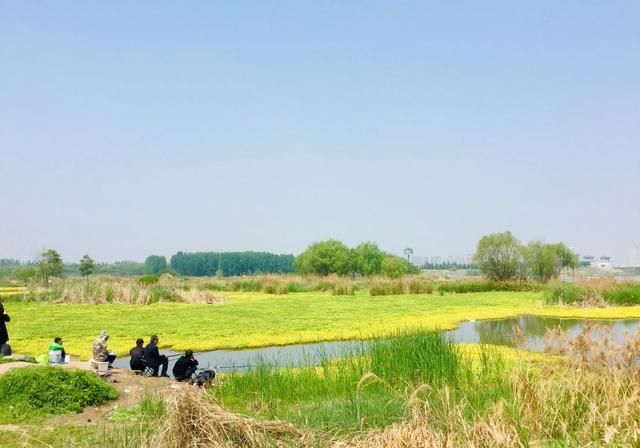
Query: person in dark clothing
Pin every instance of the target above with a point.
(154, 359)
(137, 361)
(185, 366)
(4, 336)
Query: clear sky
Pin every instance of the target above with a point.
(131, 128)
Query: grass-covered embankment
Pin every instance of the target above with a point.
(31, 394)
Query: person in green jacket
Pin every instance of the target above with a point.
(57, 346)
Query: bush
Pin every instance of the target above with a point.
(296, 287)
(344, 288)
(395, 288)
(31, 393)
(566, 293)
(395, 267)
(148, 280)
(417, 286)
(246, 285)
(623, 294)
(274, 287)
(213, 287)
(158, 293)
(593, 293)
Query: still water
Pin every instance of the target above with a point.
(498, 332)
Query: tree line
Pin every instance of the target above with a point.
(333, 257)
(230, 263)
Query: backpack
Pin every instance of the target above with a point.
(203, 378)
(5, 350)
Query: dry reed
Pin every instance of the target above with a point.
(195, 421)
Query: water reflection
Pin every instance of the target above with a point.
(528, 332)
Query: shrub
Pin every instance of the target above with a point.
(30, 393)
(296, 287)
(343, 288)
(274, 287)
(623, 294)
(566, 293)
(148, 280)
(213, 287)
(246, 285)
(417, 286)
(158, 293)
(386, 288)
(394, 267)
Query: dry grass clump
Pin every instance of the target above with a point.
(595, 347)
(386, 288)
(126, 291)
(559, 406)
(101, 291)
(201, 297)
(195, 421)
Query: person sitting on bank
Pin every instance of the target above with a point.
(100, 351)
(56, 351)
(137, 362)
(154, 359)
(185, 366)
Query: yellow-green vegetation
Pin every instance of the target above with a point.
(11, 290)
(258, 319)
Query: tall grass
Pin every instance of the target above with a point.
(368, 387)
(600, 292)
(477, 402)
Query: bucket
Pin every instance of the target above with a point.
(103, 366)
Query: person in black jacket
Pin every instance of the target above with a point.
(137, 361)
(4, 336)
(154, 359)
(185, 366)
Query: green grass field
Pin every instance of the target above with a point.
(256, 319)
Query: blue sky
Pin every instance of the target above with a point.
(152, 127)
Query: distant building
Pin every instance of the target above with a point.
(603, 262)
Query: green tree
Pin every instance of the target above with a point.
(87, 266)
(395, 267)
(499, 257)
(50, 265)
(324, 258)
(546, 261)
(541, 261)
(566, 257)
(154, 264)
(26, 274)
(368, 258)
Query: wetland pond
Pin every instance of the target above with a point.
(498, 332)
